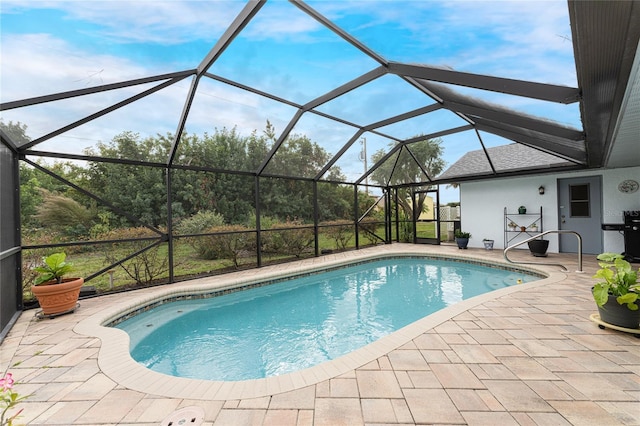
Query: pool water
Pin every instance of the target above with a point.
(298, 323)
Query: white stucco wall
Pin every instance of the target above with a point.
(482, 204)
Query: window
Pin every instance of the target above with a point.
(579, 200)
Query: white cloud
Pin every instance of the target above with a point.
(162, 22)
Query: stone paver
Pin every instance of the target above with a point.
(524, 358)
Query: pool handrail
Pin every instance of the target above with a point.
(535, 237)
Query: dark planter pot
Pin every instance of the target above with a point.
(462, 242)
(616, 314)
(538, 247)
(522, 210)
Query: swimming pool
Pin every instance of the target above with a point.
(296, 324)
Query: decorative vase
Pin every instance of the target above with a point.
(58, 298)
(462, 242)
(616, 314)
(522, 210)
(538, 247)
(488, 244)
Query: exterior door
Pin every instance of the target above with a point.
(580, 210)
(426, 223)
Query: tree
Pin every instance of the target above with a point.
(33, 183)
(137, 190)
(229, 190)
(413, 161)
(17, 132)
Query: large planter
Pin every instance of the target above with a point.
(616, 314)
(462, 242)
(538, 248)
(58, 298)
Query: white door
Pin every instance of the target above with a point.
(580, 210)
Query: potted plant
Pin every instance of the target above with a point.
(462, 238)
(488, 244)
(512, 226)
(56, 294)
(522, 210)
(617, 291)
(534, 227)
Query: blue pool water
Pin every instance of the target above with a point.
(295, 324)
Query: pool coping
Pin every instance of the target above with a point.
(116, 362)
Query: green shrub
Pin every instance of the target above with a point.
(147, 266)
(69, 218)
(288, 241)
(227, 242)
(340, 231)
(199, 223)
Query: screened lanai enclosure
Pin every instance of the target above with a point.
(155, 142)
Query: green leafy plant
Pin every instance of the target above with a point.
(460, 234)
(617, 279)
(54, 268)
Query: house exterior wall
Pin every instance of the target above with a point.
(483, 202)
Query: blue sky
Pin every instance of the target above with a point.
(54, 46)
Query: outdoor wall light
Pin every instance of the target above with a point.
(541, 190)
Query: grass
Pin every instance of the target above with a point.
(187, 264)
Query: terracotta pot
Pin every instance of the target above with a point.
(58, 298)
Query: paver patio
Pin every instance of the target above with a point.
(529, 357)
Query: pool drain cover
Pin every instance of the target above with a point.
(187, 416)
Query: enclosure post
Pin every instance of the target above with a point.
(395, 197)
(316, 219)
(355, 214)
(258, 232)
(169, 223)
(414, 218)
(387, 216)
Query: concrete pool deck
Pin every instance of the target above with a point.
(525, 355)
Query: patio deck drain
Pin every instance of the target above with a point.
(187, 416)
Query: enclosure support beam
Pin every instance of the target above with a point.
(256, 195)
(316, 219)
(169, 224)
(545, 92)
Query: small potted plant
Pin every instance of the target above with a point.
(56, 294)
(462, 238)
(512, 226)
(617, 291)
(534, 227)
(488, 244)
